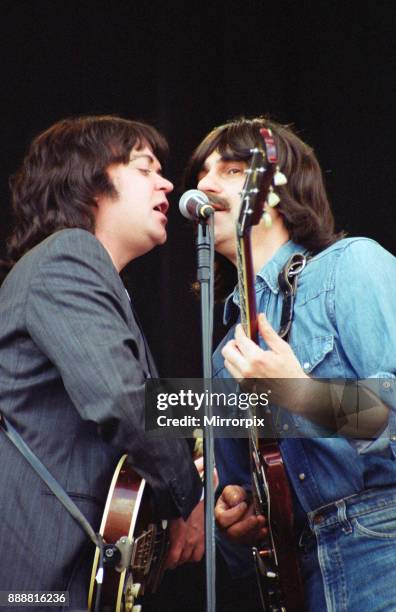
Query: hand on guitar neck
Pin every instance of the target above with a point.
(318, 400)
(236, 517)
(243, 358)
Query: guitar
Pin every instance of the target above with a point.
(275, 558)
(136, 544)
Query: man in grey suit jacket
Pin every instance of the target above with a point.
(88, 199)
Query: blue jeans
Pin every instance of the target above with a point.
(347, 554)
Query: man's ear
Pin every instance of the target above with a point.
(96, 204)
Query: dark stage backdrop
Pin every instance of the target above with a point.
(327, 67)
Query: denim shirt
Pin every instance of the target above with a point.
(344, 327)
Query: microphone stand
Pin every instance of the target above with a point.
(205, 256)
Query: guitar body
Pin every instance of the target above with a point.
(275, 558)
(129, 522)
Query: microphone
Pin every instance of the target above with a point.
(194, 204)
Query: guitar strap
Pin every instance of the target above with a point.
(288, 279)
(49, 480)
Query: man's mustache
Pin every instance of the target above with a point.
(218, 202)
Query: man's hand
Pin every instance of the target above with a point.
(243, 358)
(253, 366)
(320, 401)
(186, 538)
(236, 517)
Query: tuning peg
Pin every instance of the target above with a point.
(273, 199)
(279, 178)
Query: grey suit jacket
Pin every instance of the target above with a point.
(73, 364)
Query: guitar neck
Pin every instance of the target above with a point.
(256, 190)
(247, 295)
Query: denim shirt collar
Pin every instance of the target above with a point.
(267, 275)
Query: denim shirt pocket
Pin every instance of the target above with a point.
(317, 356)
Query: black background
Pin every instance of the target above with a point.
(327, 67)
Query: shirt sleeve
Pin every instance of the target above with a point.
(364, 312)
(78, 315)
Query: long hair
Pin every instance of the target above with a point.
(303, 205)
(64, 172)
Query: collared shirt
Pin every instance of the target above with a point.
(344, 327)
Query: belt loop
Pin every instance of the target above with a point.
(342, 516)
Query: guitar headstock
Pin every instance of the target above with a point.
(261, 176)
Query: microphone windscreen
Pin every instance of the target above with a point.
(189, 202)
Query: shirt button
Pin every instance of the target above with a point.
(319, 518)
(301, 476)
(285, 427)
(306, 365)
(386, 384)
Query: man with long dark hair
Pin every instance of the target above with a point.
(343, 327)
(88, 198)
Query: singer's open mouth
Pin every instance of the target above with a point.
(162, 207)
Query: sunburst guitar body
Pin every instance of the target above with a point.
(135, 541)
